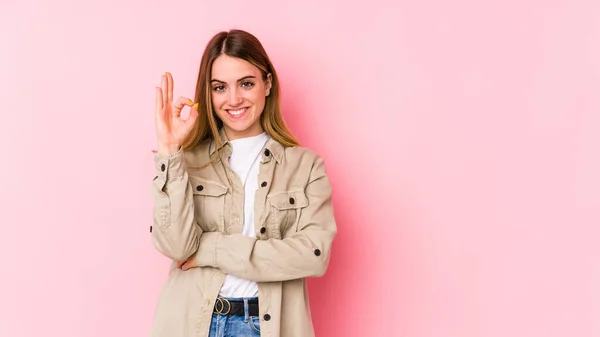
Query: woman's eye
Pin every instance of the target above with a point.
(247, 84)
(219, 88)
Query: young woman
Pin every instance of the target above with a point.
(243, 211)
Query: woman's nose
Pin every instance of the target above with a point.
(234, 98)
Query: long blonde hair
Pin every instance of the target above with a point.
(243, 45)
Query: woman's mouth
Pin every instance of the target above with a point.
(238, 113)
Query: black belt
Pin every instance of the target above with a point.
(226, 307)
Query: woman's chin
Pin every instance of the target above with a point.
(239, 130)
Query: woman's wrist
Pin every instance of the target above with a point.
(167, 150)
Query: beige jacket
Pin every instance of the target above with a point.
(198, 209)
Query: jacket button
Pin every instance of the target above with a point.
(264, 183)
(150, 229)
(163, 167)
(200, 187)
(267, 152)
(292, 201)
(263, 230)
(317, 252)
(267, 317)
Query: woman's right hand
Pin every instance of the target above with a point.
(171, 129)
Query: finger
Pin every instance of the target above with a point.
(179, 104)
(191, 121)
(159, 102)
(170, 86)
(179, 263)
(185, 266)
(165, 87)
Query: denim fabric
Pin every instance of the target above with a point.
(235, 326)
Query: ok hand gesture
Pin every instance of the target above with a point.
(171, 129)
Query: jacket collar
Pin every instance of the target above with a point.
(275, 149)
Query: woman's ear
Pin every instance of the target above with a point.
(268, 83)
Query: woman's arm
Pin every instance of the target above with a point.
(175, 232)
(304, 254)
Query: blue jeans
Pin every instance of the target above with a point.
(235, 326)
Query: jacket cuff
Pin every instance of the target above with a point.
(169, 167)
(207, 253)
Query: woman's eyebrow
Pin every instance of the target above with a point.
(241, 79)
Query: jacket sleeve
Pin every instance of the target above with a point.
(305, 254)
(175, 231)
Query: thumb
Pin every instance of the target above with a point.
(191, 121)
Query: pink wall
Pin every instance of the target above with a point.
(461, 138)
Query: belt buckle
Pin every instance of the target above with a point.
(220, 310)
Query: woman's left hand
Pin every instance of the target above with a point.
(187, 264)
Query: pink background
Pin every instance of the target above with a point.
(461, 138)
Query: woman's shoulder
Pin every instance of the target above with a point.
(302, 156)
(301, 152)
(198, 154)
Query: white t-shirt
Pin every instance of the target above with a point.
(245, 161)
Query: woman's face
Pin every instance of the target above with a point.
(238, 96)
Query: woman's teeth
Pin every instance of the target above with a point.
(237, 112)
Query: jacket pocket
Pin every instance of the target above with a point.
(209, 204)
(285, 210)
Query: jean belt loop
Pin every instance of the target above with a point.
(246, 311)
